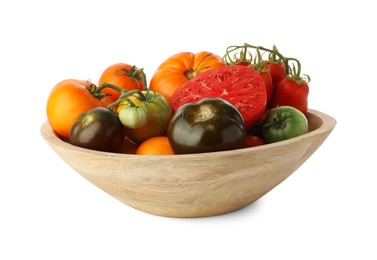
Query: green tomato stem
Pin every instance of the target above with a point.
(291, 73)
(124, 96)
(108, 85)
(135, 74)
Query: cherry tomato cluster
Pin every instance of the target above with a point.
(195, 102)
(285, 85)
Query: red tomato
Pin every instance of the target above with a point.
(123, 76)
(253, 140)
(158, 145)
(67, 100)
(242, 63)
(239, 85)
(291, 93)
(277, 72)
(268, 82)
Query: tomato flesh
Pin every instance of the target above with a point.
(239, 85)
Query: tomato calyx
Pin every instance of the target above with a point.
(243, 57)
(295, 74)
(191, 73)
(258, 64)
(282, 123)
(274, 56)
(194, 72)
(278, 122)
(135, 74)
(94, 90)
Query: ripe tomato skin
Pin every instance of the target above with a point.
(67, 100)
(180, 68)
(268, 83)
(254, 140)
(283, 123)
(241, 86)
(158, 145)
(291, 93)
(277, 72)
(159, 111)
(118, 75)
(97, 129)
(128, 147)
(209, 125)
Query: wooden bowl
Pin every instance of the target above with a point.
(194, 185)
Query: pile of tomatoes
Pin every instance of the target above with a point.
(195, 102)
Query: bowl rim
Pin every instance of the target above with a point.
(327, 124)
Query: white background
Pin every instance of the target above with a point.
(325, 210)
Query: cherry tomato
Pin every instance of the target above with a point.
(158, 145)
(291, 93)
(68, 99)
(277, 72)
(123, 76)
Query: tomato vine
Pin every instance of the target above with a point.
(238, 53)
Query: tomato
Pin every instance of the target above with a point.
(150, 117)
(123, 76)
(277, 72)
(128, 147)
(242, 63)
(254, 140)
(240, 85)
(283, 123)
(98, 129)
(209, 125)
(67, 100)
(291, 93)
(180, 68)
(268, 83)
(134, 117)
(158, 145)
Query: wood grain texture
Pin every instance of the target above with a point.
(194, 185)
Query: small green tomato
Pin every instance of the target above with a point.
(283, 123)
(134, 117)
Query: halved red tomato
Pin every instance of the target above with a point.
(239, 85)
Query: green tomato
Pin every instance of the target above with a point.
(155, 110)
(209, 125)
(97, 129)
(283, 123)
(134, 117)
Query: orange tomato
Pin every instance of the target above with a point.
(123, 76)
(67, 100)
(158, 145)
(180, 68)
